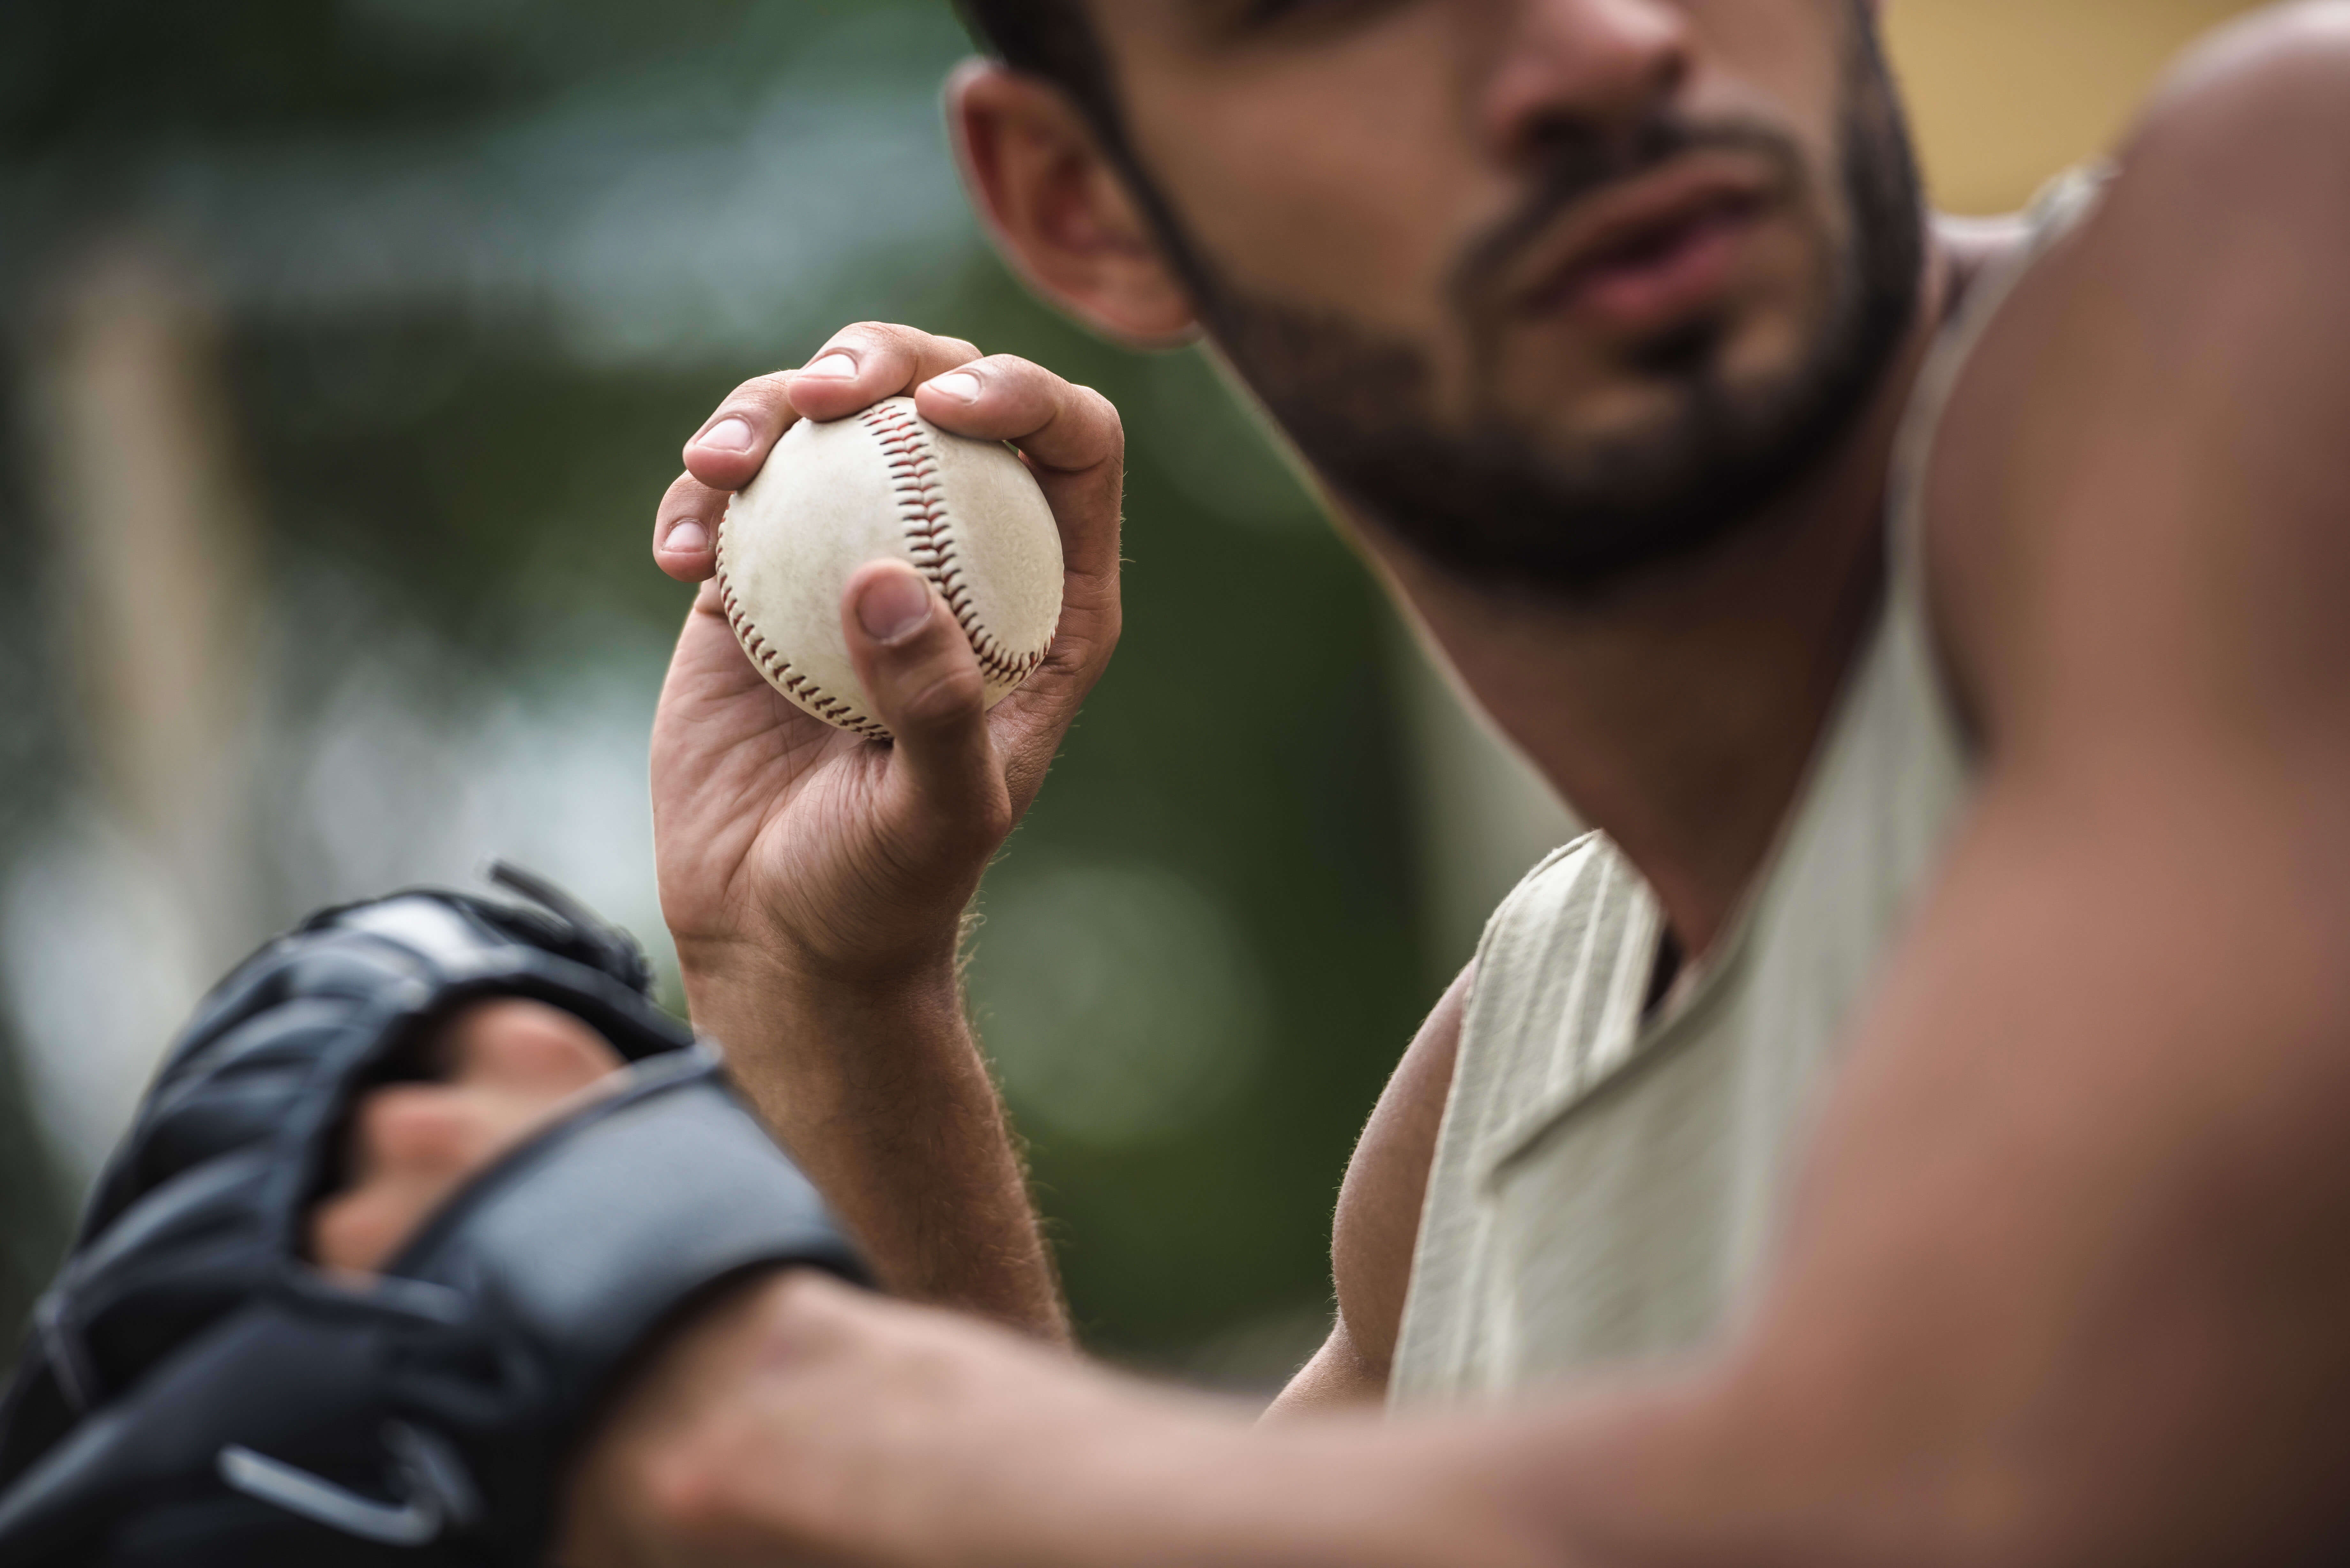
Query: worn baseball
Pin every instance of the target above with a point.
(887, 484)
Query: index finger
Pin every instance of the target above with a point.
(516, 1044)
(869, 361)
(727, 452)
(1071, 436)
(859, 367)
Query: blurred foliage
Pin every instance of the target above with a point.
(121, 74)
(478, 482)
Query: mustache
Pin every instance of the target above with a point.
(1580, 161)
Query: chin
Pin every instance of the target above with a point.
(1707, 361)
(1768, 349)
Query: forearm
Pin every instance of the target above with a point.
(881, 1093)
(2045, 1249)
(800, 1421)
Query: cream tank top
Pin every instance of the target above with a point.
(1606, 1186)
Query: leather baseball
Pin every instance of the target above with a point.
(884, 483)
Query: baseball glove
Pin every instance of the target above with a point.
(196, 1392)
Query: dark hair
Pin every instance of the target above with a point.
(1054, 39)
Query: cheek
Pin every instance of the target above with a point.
(1350, 187)
(1795, 269)
(1787, 64)
(1795, 53)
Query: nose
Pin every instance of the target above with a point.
(1583, 68)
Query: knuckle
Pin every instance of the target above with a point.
(763, 393)
(415, 1127)
(1025, 374)
(810, 1311)
(681, 1497)
(338, 1232)
(352, 1235)
(695, 1488)
(515, 1038)
(562, 1055)
(993, 821)
(530, 1048)
(1099, 402)
(1100, 409)
(885, 336)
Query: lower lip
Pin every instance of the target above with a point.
(1663, 288)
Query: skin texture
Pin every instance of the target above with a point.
(1709, 681)
(1560, 420)
(816, 882)
(505, 1070)
(2062, 1282)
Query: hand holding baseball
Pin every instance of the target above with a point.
(783, 838)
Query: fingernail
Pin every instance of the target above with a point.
(727, 435)
(893, 606)
(960, 385)
(687, 536)
(831, 368)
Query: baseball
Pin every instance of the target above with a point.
(965, 514)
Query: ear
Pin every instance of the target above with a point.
(1058, 210)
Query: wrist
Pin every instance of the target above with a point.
(875, 1083)
(811, 1038)
(779, 970)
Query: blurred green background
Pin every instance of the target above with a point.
(346, 347)
(351, 347)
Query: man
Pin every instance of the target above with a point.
(1911, 1134)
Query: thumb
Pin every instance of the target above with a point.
(918, 669)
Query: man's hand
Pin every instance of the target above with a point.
(783, 841)
(816, 881)
(504, 1069)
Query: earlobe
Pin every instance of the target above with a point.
(1056, 208)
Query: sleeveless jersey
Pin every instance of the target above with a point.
(1605, 1185)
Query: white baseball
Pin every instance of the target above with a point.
(887, 484)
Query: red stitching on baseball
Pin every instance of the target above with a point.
(931, 535)
(792, 683)
(930, 540)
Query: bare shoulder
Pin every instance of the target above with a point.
(2285, 47)
(2150, 438)
(1377, 1224)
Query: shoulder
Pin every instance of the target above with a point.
(1376, 1232)
(2283, 49)
(2147, 439)
(2253, 119)
(1376, 1228)
(1377, 1224)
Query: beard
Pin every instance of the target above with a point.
(1495, 504)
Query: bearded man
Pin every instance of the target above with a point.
(1907, 1131)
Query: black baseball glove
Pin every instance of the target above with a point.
(196, 1393)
